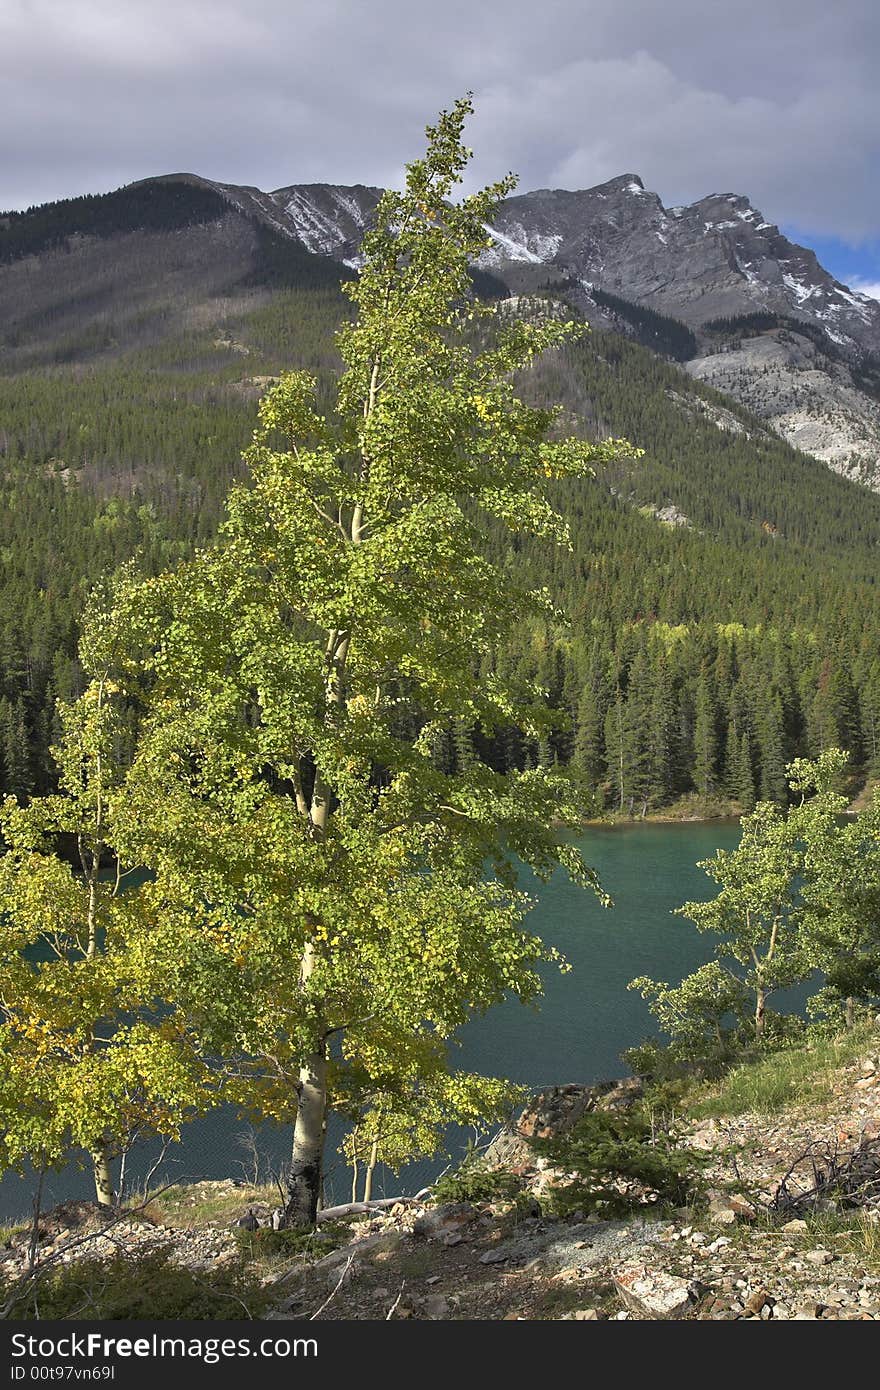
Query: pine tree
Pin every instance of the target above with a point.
(615, 739)
(16, 752)
(705, 739)
(744, 777)
(771, 750)
(589, 746)
(661, 753)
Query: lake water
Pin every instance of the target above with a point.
(586, 1017)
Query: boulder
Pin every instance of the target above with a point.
(553, 1112)
(726, 1208)
(653, 1293)
(445, 1221)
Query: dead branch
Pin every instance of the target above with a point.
(379, 1204)
(393, 1309)
(846, 1179)
(338, 1285)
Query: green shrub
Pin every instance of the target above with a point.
(622, 1160)
(148, 1286)
(268, 1244)
(473, 1183)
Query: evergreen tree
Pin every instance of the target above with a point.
(771, 750)
(589, 746)
(18, 778)
(743, 773)
(705, 739)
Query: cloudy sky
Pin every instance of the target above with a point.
(777, 99)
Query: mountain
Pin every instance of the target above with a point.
(772, 328)
(716, 259)
(807, 357)
(721, 572)
(769, 326)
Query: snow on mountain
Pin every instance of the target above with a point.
(329, 219)
(716, 259)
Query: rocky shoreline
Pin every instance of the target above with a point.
(731, 1259)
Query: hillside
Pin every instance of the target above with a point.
(715, 261)
(723, 580)
(753, 1239)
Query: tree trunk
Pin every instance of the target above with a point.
(306, 1169)
(103, 1181)
(760, 1012)
(849, 1017)
(371, 1168)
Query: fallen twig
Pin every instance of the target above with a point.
(341, 1280)
(379, 1204)
(393, 1309)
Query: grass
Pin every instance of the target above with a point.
(271, 1247)
(848, 1232)
(188, 1205)
(769, 1084)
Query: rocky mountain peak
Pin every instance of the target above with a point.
(330, 219)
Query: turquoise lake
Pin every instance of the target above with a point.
(586, 1018)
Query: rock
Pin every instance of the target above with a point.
(725, 1208)
(869, 1066)
(493, 1257)
(757, 1301)
(552, 1112)
(619, 1095)
(818, 1257)
(382, 1240)
(652, 1293)
(436, 1306)
(796, 1225)
(444, 1220)
(452, 1238)
(705, 1135)
(724, 1216)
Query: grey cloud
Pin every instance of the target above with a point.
(774, 98)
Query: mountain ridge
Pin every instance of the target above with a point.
(811, 370)
(305, 212)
